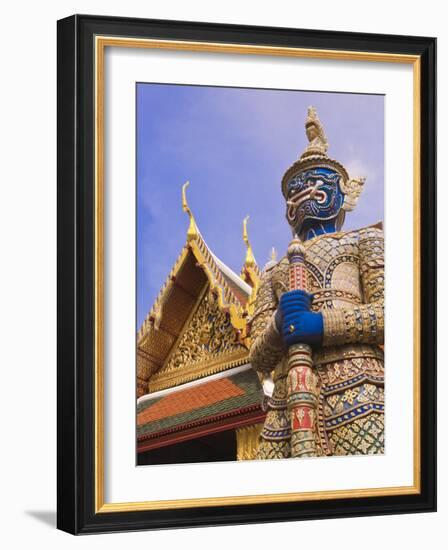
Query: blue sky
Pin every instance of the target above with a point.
(234, 145)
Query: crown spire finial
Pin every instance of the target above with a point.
(318, 144)
(192, 232)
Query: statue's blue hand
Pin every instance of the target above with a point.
(295, 300)
(295, 321)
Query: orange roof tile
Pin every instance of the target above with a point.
(189, 399)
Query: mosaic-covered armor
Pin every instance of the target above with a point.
(345, 275)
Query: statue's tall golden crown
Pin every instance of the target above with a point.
(315, 156)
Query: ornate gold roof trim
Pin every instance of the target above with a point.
(250, 273)
(213, 268)
(155, 313)
(217, 272)
(197, 371)
(227, 299)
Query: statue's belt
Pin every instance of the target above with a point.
(334, 354)
(328, 294)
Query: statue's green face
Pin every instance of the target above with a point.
(314, 196)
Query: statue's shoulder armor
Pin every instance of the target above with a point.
(372, 231)
(274, 266)
(277, 275)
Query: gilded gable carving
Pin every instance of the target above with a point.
(209, 334)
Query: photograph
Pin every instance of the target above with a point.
(260, 274)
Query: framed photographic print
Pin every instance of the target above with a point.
(246, 274)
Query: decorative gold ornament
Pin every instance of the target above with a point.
(208, 335)
(250, 258)
(247, 439)
(192, 232)
(352, 190)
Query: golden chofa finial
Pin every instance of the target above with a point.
(273, 257)
(250, 258)
(192, 232)
(318, 144)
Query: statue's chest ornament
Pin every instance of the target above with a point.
(326, 276)
(337, 263)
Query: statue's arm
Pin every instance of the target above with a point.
(266, 344)
(364, 323)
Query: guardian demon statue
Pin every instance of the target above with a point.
(318, 323)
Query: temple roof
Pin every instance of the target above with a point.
(230, 288)
(195, 269)
(228, 400)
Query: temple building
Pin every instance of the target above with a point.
(198, 398)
